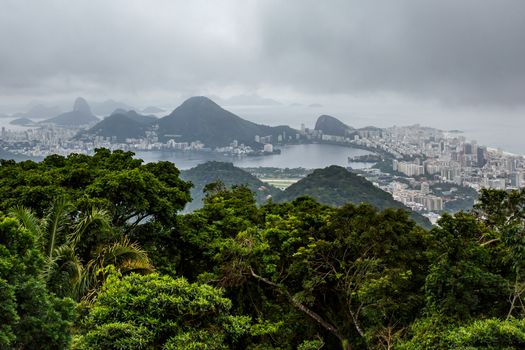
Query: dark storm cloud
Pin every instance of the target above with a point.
(471, 51)
(454, 51)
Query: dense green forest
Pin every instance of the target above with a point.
(209, 172)
(95, 254)
(336, 186)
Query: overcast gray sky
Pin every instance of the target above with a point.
(445, 52)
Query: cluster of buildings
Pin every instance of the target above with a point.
(449, 157)
(444, 156)
(417, 200)
(432, 157)
(49, 139)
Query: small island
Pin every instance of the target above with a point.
(22, 122)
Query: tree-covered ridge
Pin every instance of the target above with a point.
(209, 172)
(336, 186)
(235, 275)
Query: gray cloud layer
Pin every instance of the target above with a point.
(467, 52)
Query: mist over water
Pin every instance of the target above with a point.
(5, 123)
(490, 128)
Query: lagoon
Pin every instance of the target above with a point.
(309, 156)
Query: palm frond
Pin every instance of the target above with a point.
(125, 255)
(121, 251)
(30, 222)
(89, 281)
(57, 222)
(133, 266)
(64, 271)
(96, 216)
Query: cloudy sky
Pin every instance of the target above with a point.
(429, 54)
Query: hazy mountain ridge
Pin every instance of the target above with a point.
(121, 125)
(38, 112)
(108, 106)
(80, 115)
(137, 117)
(199, 118)
(153, 110)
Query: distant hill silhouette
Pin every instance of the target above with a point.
(152, 109)
(137, 117)
(80, 115)
(122, 125)
(209, 172)
(332, 126)
(337, 186)
(22, 121)
(108, 106)
(39, 112)
(199, 118)
(248, 100)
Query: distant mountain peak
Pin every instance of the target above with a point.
(152, 109)
(82, 106)
(199, 101)
(200, 118)
(107, 107)
(332, 126)
(119, 111)
(80, 115)
(326, 117)
(199, 106)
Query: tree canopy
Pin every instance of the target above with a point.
(131, 191)
(30, 317)
(160, 312)
(96, 249)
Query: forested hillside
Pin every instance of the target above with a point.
(336, 186)
(95, 254)
(228, 175)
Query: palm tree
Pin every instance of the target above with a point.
(61, 233)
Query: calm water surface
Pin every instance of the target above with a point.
(310, 156)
